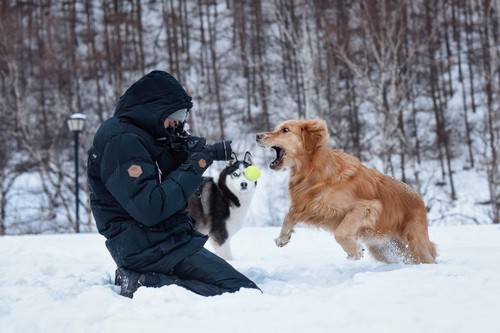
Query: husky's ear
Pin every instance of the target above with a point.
(248, 158)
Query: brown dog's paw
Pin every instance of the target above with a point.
(282, 240)
(357, 255)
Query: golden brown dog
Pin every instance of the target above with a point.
(334, 191)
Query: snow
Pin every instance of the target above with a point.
(62, 283)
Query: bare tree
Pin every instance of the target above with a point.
(490, 39)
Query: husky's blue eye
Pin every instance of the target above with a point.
(235, 174)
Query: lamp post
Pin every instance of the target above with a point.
(75, 123)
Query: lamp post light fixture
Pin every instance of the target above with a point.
(76, 122)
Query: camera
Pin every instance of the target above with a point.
(181, 130)
(219, 151)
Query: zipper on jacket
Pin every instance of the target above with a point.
(159, 172)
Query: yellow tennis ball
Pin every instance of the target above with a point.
(252, 173)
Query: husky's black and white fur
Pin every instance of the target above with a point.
(220, 209)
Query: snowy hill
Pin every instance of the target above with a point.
(61, 283)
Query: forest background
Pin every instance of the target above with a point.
(410, 87)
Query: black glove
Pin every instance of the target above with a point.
(199, 156)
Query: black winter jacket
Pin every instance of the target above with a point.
(139, 189)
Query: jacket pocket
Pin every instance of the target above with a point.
(170, 238)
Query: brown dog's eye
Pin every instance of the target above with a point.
(285, 130)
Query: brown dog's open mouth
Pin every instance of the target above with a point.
(280, 154)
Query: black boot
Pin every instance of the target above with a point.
(129, 281)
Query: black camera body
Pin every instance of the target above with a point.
(182, 141)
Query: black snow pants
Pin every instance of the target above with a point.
(203, 273)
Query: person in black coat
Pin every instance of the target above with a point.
(142, 168)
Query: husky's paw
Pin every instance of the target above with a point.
(282, 240)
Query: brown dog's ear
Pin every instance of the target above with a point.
(314, 134)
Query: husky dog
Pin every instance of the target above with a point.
(220, 209)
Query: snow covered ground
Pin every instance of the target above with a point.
(62, 283)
